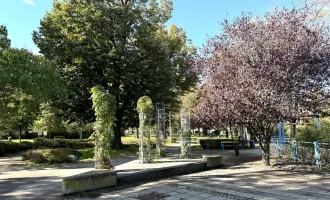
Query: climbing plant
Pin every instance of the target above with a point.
(146, 113)
(104, 105)
(185, 134)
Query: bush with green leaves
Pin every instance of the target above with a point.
(105, 106)
(62, 143)
(145, 109)
(210, 143)
(44, 142)
(9, 147)
(53, 156)
(2, 151)
(311, 133)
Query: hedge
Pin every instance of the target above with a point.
(53, 156)
(7, 147)
(62, 143)
(210, 143)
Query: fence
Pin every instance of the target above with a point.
(308, 152)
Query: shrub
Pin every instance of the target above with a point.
(210, 143)
(75, 144)
(2, 151)
(215, 133)
(63, 143)
(92, 137)
(44, 142)
(10, 147)
(311, 133)
(52, 156)
(25, 145)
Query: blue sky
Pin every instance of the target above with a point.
(197, 17)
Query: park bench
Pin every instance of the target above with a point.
(229, 144)
(59, 137)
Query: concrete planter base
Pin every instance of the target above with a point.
(213, 161)
(88, 181)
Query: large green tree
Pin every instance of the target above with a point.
(26, 80)
(121, 45)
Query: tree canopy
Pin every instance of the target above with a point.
(262, 70)
(122, 46)
(26, 80)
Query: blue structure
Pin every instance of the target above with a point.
(295, 154)
(318, 122)
(317, 154)
(222, 146)
(281, 132)
(278, 148)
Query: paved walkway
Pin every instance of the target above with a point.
(242, 177)
(249, 180)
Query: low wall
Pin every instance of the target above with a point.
(155, 174)
(88, 181)
(105, 178)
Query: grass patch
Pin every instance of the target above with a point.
(88, 154)
(196, 147)
(23, 140)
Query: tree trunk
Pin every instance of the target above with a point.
(117, 139)
(20, 134)
(204, 131)
(265, 151)
(199, 131)
(293, 129)
(137, 133)
(227, 135)
(235, 144)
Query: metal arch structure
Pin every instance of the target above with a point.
(161, 129)
(185, 134)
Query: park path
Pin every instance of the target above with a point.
(18, 181)
(241, 179)
(21, 182)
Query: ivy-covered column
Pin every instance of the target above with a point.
(104, 105)
(185, 134)
(161, 137)
(146, 112)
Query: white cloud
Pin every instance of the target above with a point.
(29, 2)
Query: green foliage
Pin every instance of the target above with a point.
(4, 41)
(74, 144)
(25, 145)
(10, 147)
(62, 143)
(146, 113)
(49, 121)
(53, 156)
(43, 142)
(88, 153)
(125, 47)
(26, 80)
(210, 143)
(104, 105)
(2, 150)
(311, 133)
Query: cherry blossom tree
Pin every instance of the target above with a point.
(259, 71)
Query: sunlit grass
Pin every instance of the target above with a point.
(88, 154)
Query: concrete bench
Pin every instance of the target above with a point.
(213, 161)
(97, 179)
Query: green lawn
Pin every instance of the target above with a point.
(23, 140)
(88, 154)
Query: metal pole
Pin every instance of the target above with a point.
(170, 127)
